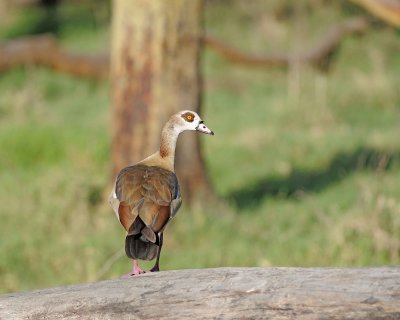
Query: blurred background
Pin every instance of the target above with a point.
(304, 98)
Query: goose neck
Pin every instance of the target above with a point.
(169, 137)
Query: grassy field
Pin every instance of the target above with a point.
(306, 165)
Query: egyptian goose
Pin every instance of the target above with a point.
(146, 195)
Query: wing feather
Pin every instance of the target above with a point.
(150, 192)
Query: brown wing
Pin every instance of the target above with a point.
(152, 193)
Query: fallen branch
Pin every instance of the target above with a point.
(44, 50)
(225, 293)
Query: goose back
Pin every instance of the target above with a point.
(148, 192)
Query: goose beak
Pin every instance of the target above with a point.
(203, 128)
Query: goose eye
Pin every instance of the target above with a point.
(189, 117)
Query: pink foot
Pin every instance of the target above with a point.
(135, 271)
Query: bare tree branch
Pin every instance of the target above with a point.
(387, 10)
(44, 50)
(320, 55)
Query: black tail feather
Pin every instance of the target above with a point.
(137, 246)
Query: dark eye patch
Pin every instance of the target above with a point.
(188, 116)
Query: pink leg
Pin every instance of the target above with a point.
(135, 270)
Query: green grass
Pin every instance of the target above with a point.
(306, 165)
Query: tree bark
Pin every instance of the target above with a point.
(155, 73)
(224, 293)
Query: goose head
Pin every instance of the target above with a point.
(190, 120)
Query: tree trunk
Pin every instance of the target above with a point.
(155, 73)
(225, 293)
